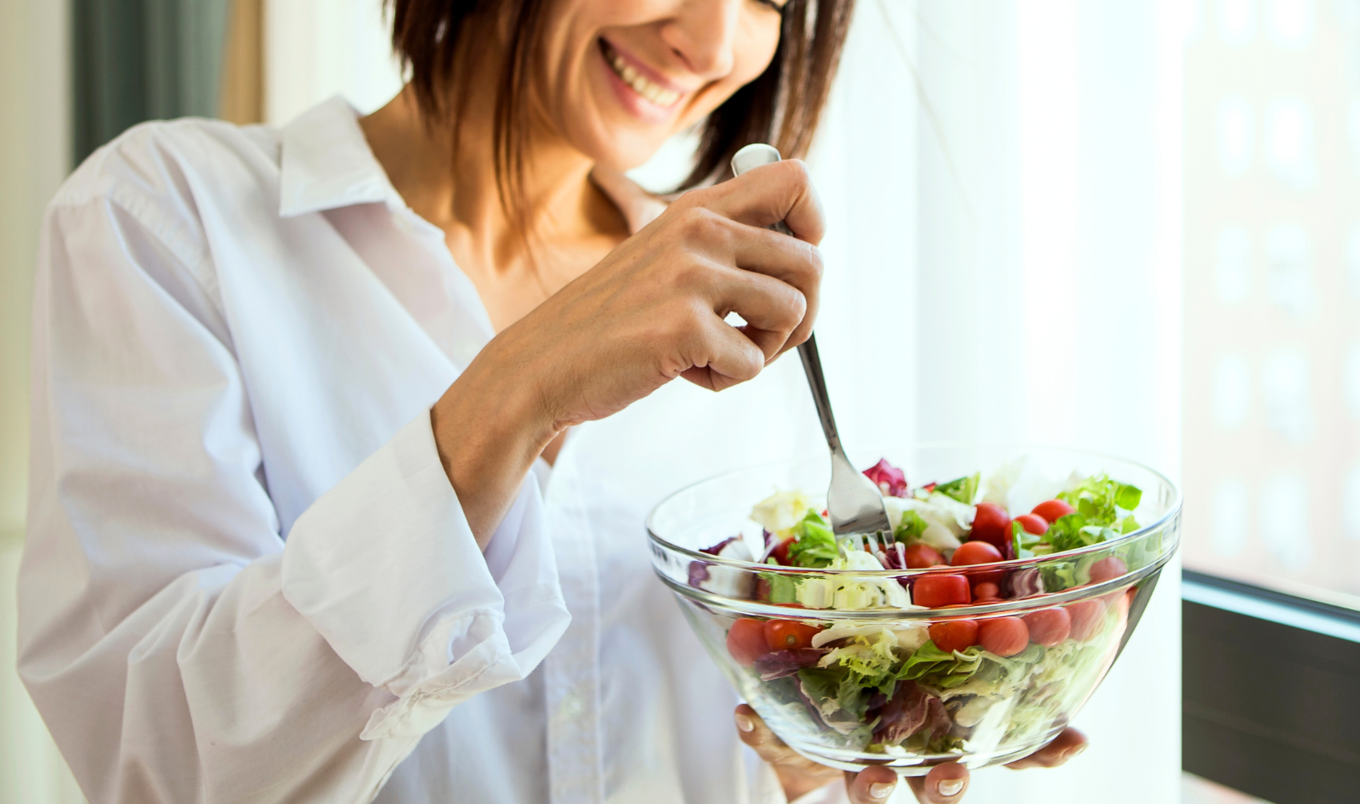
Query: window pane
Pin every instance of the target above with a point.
(1272, 295)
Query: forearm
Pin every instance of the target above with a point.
(490, 427)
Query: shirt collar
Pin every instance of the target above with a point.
(326, 163)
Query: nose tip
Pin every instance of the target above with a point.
(704, 39)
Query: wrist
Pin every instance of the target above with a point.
(489, 427)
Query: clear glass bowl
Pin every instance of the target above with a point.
(1006, 707)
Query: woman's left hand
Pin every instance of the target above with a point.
(945, 784)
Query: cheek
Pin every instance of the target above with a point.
(750, 59)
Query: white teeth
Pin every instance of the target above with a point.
(652, 92)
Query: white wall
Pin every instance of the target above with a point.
(315, 49)
(34, 153)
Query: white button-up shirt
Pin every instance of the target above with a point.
(247, 577)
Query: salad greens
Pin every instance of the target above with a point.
(964, 489)
(931, 689)
(814, 544)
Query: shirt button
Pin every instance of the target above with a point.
(571, 706)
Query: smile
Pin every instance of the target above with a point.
(653, 92)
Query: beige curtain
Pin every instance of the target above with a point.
(241, 99)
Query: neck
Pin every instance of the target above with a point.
(458, 191)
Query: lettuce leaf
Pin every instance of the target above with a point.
(1098, 499)
(814, 544)
(782, 588)
(964, 489)
(911, 527)
(937, 668)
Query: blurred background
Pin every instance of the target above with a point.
(1128, 227)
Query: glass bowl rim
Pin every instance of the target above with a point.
(1173, 510)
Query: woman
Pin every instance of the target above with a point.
(305, 521)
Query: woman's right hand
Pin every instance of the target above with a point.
(651, 311)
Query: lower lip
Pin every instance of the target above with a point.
(636, 104)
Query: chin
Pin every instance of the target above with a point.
(624, 150)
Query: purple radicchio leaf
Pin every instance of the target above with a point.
(905, 713)
(781, 663)
(1026, 583)
(889, 479)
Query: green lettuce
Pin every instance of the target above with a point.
(1098, 499)
(930, 665)
(814, 544)
(964, 489)
(910, 528)
(783, 588)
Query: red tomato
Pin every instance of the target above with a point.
(746, 641)
(1033, 523)
(934, 591)
(991, 524)
(1108, 568)
(1052, 510)
(975, 553)
(952, 635)
(921, 556)
(780, 552)
(986, 590)
(1048, 627)
(1004, 636)
(762, 590)
(1088, 616)
(789, 634)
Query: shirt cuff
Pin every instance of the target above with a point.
(385, 567)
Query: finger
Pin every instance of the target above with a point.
(787, 259)
(771, 308)
(1063, 747)
(945, 784)
(774, 751)
(720, 356)
(870, 786)
(769, 194)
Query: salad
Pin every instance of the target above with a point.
(930, 686)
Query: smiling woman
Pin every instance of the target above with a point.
(608, 99)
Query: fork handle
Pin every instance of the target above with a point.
(812, 367)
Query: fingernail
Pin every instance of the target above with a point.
(880, 789)
(1073, 753)
(950, 787)
(745, 723)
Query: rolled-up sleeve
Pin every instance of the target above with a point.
(387, 607)
(177, 647)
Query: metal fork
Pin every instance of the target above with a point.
(854, 502)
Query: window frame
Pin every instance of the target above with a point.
(1282, 724)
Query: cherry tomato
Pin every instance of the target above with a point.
(934, 591)
(1004, 636)
(952, 635)
(991, 524)
(975, 553)
(762, 590)
(789, 634)
(780, 552)
(1048, 627)
(921, 556)
(1108, 568)
(746, 641)
(986, 590)
(1052, 510)
(1088, 616)
(1033, 523)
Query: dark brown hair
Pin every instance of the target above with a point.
(781, 106)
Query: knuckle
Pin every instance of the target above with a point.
(798, 173)
(702, 226)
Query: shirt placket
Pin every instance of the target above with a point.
(572, 670)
